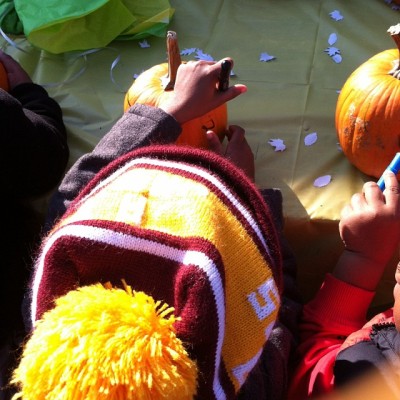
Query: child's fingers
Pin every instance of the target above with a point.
(346, 210)
(392, 189)
(358, 200)
(235, 133)
(372, 193)
(214, 143)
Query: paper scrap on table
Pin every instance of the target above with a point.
(278, 144)
(322, 181)
(310, 139)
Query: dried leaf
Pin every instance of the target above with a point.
(266, 57)
(332, 51)
(336, 15)
(188, 52)
(310, 139)
(144, 44)
(337, 58)
(203, 56)
(322, 181)
(278, 144)
(394, 6)
(332, 39)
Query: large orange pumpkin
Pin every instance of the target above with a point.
(3, 78)
(155, 85)
(368, 111)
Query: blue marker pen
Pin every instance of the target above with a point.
(394, 166)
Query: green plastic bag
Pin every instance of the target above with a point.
(153, 18)
(9, 20)
(61, 26)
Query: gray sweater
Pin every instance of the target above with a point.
(140, 126)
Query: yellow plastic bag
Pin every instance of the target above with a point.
(59, 27)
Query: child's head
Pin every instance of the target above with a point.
(185, 228)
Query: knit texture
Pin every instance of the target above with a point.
(189, 229)
(128, 331)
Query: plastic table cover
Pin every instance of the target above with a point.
(288, 98)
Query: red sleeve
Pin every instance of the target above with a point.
(337, 310)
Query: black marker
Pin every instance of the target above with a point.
(223, 80)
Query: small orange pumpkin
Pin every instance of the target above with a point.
(3, 78)
(154, 87)
(368, 111)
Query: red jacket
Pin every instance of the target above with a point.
(332, 321)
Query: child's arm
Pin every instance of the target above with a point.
(38, 108)
(195, 92)
(194, 95)
(370, 230)
(34, 140)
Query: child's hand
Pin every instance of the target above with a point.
(15, 73)
(195, 92)
(237, 150)
(370, 224)
(370, 230)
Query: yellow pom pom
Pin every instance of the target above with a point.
(101, 343)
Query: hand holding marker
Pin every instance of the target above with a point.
(394, 166)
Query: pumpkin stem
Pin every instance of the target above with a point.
(174, 60)
(395, 34)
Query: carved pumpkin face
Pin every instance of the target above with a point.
(3, 78)
(149, 88)
(368, 112)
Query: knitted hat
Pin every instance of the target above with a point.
(185, 227)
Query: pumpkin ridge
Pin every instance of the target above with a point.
(367, 116)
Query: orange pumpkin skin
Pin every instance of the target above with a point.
(3, 78)
(148, 89)
(367, 114)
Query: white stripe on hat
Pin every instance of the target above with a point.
(122, 240)
(196, 171)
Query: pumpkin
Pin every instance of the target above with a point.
(3, 78)
(367, 116)
(154, 87)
